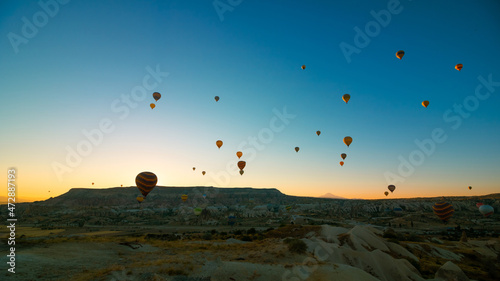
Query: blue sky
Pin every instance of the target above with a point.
(74, 70)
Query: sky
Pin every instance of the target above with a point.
(77, 78)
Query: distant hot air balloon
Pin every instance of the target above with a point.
(139, 199)
(121, 185)
(343, 155)
(92, 183)
(443, 210)
(303, 67)
(239, 154)
(216, 98)
(194, 168)
(156, 96)
(197, 211)
(425, 103)
(241, 172)
(391, 188)
(145, 182)
(288, 208)
(218, 143)
(297, 149)
(184, 197)
(242, 164)
(203, 172)
(341, 163)
(459, 66)
(347, 141)
(386, 193)
(400, 54)
(346, 97)
(486, 210)
(318, 133)
(470, 187)
(152, 105)
(204, 196)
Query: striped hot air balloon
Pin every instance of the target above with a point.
(156, 96)
(184, 197)
(443, 210)
(145, 182)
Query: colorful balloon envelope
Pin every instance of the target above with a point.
(386, 193)
(303, 67)
(343, 155)
(347, 141)
(346, 97)
(139, 199)
(425, 103)
(486, 210)
(204, 196)
(470, 187)
(341, 163)
(152, 105)
(145, 182)
(216, 98)
(391, 187)
(239, 154)
(197, 211)
(297, 149)
(318, 133)
(400, 54)
(184, 197)
(459, 66)
(156, 96)
(479, 204)
(242, 164)
(218, 143)
(443, 210)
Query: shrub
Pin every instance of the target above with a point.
(246, 238)
(297, 246)
(207, 236)
(251, 231)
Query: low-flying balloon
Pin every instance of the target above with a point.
(297, 149)
(479, 204)
(443, 210)
(346, 98)
(184, 197)
(386, 193)
(343, 155)
(459, 66)
(486, 210)
(400, 54)
(156, 96)
(152, 105)
(391, 187)
(303, 67)
(239, 154)
(216, 98)
(204, 196)
(218, 143)
(145, 182)
(341, 163)
(347, 141)
(139, 199)
(318, 133)
(197, 211)
(425, 103)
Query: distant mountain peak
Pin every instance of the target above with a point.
(329, 195)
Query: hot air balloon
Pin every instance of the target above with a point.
(239, 154)
(343, 155)
(470, 187)
(346, 98)
(241, 172)
(204, 196)
(197, 211)
(347, 141)
(400, 54)
(341, 163)
(386, 193)
(303, 67)
(242, 164)
(194, 168)
(203, 172)
(184, 197)
(121, 185)
(145, 182)
(486, 210)
(425, 103)
(139, 199)
(459, 66)
(297, 149)
(92, 183)
(288, 208)
(216, 98)
(218, 143)
(318, 133)
(443, 210)
(479, 204)
(391, 188)
(156, 96)
(152, 105)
